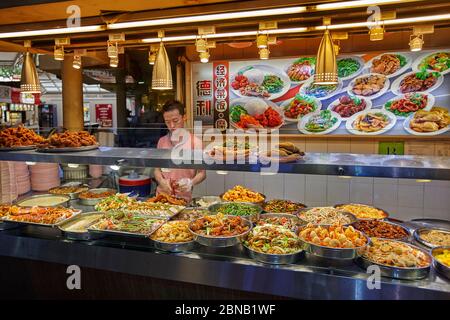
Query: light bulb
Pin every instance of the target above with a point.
(73, 165)
(376, 33)
(264, 54)
(262, 41)
(115, 167)
(416, 42)
(76, 62)
(58, 53)
(204, 57)
(113, 51)
(151, 57)
(201, 45)
(30, 163)
(114, 62)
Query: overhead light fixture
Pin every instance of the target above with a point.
(326, 66)
(76, 61)
(201, 45)
(114, 62)
(264, 53)
(204, 57)
(262, 41)
(162, 71)
(337, 47)
(113, 50)
(73, 165)
(29, 80)
(152, 54)
(376, 33)
(58, 53)
(416, 42)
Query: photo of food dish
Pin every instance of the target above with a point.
(433, 122)
(389, 64)
(322, 122)
(421, 81)
(370, 86)
(403, 106)
(255, 113)
(231, 149)
(348, 105)
(436, 61)
(262, 81)
(321, 92)
(371, 122)
(301, 69)
(294, 109)
(349, 67)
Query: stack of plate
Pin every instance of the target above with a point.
(44, 176)
(22, 177)
(8, 188)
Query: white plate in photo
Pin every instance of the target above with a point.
(329, 94)
(349, 123)
(428, 106)
(401, 70)
(257, 73)
(383, 90)
(286, 103)
(304, 68)
(358, 59)
(418, 61)
(396, 84)
(302, 123)
(256, 106)
(406, 126)
(337, 102)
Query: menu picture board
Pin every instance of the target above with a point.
(103, 115)
(383, 93)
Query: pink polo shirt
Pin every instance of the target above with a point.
(172, 174)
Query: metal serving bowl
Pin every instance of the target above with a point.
(94, 201)
(297, 221)
(260, 203)
(220, 241)
(72, 195)
(418, 238)
(439, 266)
(253, 218)
(274, 258)
(352, 218)
(80, 235)
(386, 214)
(304, 206)
(398, 272)
(64, 202)
(210, 199)
(174, 246)
(405, 239)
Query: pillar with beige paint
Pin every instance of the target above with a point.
(72, 92)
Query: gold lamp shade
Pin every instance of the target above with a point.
(326, 66)
(162, 72)
(29, 80)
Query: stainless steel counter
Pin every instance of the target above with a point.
(413, 167)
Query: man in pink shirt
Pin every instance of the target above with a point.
(178, 182)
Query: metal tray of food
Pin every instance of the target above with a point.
(54, 225)
(83, 234)
(439, 266)
(431, 223)
(386, 214)
(303, 206)
(207, 200)
(406, 229)
(292, 217)
(274, 258)
(72, 195)
(119, 233)
(352, 218)
(185, 213)
(68, 149)
(260, 203)
(18, 148)
(253, 218)
(174, 246)
(398, 272)
(22, 203)
(418, 238)
(220, 242)
(94, 201)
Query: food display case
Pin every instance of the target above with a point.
(332, 274)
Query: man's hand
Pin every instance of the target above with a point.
(165, 186)
(184, 185)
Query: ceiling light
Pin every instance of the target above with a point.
(58, 53)
(204, 57)
(416, 42)
(326, 67)
(264, 53)
(337, 48)
(261, 41)
(353, 4)
(152, 54)
(162, 71)
(114, 62)
(113, 50)
(201, 45)
(29, 80)
(221, 172)
(30, 163)
(376, 33)
(76, 61)
(73, 165)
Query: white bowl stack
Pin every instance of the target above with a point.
(22, 177)
(8, 187)
(44, 176)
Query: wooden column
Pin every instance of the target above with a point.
(72, 90)
(121, 99)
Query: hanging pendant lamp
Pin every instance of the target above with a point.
(326, 66)
(29, 80)
(162, 71)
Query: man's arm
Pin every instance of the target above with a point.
(199, 177)
(162, 182)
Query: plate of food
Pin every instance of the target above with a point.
(382, 229)
(294, 109)
(321, 92)
(115, 202)
(433, 237)
(428, 123)
(72, 192)
(348, 105)
(45, 200)
(94, 196)
(404, 105)
(371, 122)
(333, 241)
(77, 228)
(282, 206)
(159, 210)
(219, 230)
(417, 81)
(173, 236)
(349, 67)
(322, 122)
(231, 149)
(69, 141)
(389, 64)
(326, 216)
(40, 215)
(19, 138)
(283, 152)
(436, 61)
(370, 86)
(241, 194)
(300, 69)
(255, 113)
(168, 199)
(286, 220)
(248, 211)
(273, 244)
(441, 260)
(262, 81)
(396, 259)
(363, 211)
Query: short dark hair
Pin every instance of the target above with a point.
(173, 105)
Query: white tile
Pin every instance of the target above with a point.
(361, 192)
(438, 183)
(410, 196)
(385, 194)
(234, 178)
(391, 181)
(368, 180)
(411, 182)
(254, 181)
(274, 186)
(436, 197)
(294, 187)
(316, 189)
(338, 192)
(215, 183)
(437, 213)
(393, 211)
(316, 204)
(408, 213)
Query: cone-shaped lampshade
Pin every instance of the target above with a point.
(162, 72)
(326, 67)
(29, 80)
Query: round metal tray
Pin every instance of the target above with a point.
(194, 202)
(20, 148)
(291, 213)
(72, 195)
(353, 219)
(76, 235)
(220, 242)
(440, 267)
(344, 204)
(68, 149)
(405, 239)
(253, 218)
(63, 203)
(93, 202)
(260, 203)
(419, 239)
(274, 258)
(283, 215)
(174, 247)
(397, 272)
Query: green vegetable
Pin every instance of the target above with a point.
(321, 122)
(238, 209)
(273, 83)
(236, 112)
(423, 74)
(312, 60)
(347, 67)
(402, 60)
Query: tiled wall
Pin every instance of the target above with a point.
(404, 199)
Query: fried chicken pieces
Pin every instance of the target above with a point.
(430, 121)
(71, 139)
(19, 137)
